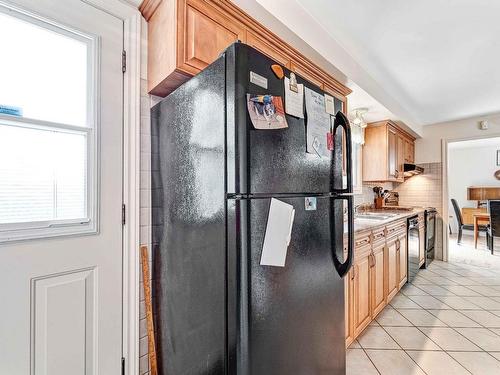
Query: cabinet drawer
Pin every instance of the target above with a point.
(378, 236)
(362, 239)
(396, 229)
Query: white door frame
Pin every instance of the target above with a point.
(444, 192)
(131, 173)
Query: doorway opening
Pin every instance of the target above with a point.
(470, 192)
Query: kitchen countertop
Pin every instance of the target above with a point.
(364, 224)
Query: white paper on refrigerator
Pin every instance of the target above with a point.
(294, 101)
(318, 123)
(278, 232)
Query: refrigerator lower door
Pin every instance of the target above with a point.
(285, 320)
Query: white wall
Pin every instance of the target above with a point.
(428, 148)
(471, 166)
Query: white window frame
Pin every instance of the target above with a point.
(90, 224)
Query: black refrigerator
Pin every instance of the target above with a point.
(216, 309)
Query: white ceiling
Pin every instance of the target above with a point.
(426, 61)
(442, 56)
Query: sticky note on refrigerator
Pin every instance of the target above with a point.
(278, 233)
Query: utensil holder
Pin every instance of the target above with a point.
(379, 202)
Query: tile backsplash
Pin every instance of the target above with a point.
(421, 190)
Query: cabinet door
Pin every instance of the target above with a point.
(400, 157)
(392, 269)
(392, 153)
(206, 34)
(403, 262)
(362, 316)
(409, 151)
(349, 311)
(378, 296)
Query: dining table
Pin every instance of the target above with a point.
(482, 218)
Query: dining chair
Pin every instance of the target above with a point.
(460, 223)
(493, 228)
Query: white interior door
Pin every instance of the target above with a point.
(61, 86)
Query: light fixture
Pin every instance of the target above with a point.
(357, 117)
(358, 125)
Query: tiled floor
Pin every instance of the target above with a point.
(446, 322)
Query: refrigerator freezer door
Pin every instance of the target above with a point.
(287, 320)
(269, 161)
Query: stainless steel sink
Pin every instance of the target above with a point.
(374, 216)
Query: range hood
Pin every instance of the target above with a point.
(412, 170)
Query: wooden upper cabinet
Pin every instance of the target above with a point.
(392, 153)
(206, 35)
(387, 148)
(254, 40)
(307, 73)
(184, 36)
(409, 151)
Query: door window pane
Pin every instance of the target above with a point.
(43, 72)
(43, 175)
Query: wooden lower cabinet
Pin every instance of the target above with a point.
(378, 272)
(392, 268)
(421, 250)
(362, 311)
(403, 261)
(349, 308)
(377, 280)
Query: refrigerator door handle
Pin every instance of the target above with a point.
(343, 268)
(341, 120)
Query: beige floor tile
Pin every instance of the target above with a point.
(437, 363)
(482, 337)
(410, 338)
(355, 345)
(496, 355)
(376, 338)
(430, 302)
(403, 302)
(483, 317)
(487, 303)
(422, 318)
(458, 303)
(449, 339)
(461, 291)
(394, 362)
(478, 363)
(391, 317)
(454, 318)
(358, 363)
(485, 290)
(435, 290)
(412, 290)
(460, 280)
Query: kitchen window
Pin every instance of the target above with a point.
(48, 128)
